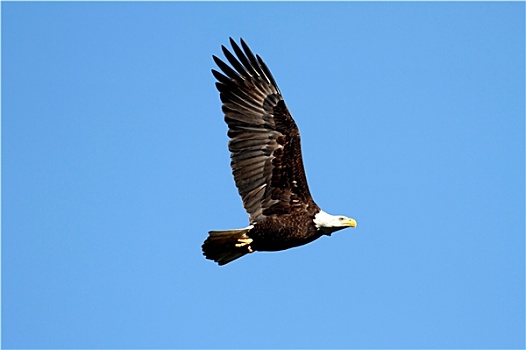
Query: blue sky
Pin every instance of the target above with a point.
(115, 166)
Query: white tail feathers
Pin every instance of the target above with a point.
(226, 246)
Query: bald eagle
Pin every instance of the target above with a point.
(266, 163)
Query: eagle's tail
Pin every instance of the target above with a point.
(226, 246)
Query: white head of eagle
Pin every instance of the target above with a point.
(328, 223)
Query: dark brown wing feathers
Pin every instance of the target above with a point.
(264, 139)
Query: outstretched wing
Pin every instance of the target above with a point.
(264, 139)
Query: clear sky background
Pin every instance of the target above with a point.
(115, 166)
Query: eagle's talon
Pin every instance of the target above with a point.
(243, 242)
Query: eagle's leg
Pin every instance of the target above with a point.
(244, 242)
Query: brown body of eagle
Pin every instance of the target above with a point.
(266, 164)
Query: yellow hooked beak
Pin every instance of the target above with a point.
(350, 222)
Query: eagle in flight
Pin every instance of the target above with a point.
(266, 164)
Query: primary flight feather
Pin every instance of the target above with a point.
(266, 163)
